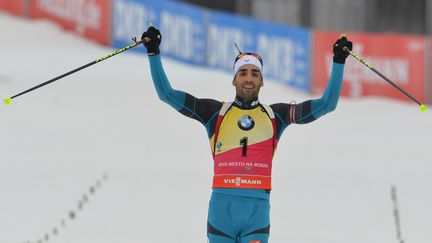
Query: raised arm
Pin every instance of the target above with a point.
(311, 110)
(328, 101)
(188, 105)
(166, 93)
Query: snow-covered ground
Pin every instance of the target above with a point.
(332, 177)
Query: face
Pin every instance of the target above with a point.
(248, 82)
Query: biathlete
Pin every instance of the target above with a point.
(243, 137)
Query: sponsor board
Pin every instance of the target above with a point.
(89, 18)
(284, 49)
(182, 27)
(398, 57)
(12, 6)
(428, 70)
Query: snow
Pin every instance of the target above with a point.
(331, 178)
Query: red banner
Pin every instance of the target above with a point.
(13, 6)
(398, 57)
(89, 18)
(429, 70)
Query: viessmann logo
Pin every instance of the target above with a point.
(85, 13)
(238, 181)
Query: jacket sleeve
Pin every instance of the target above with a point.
(328, 101)
(201, 110)
(174, 98)
(311, 110)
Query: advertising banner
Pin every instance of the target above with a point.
(12, 6)
(398, 57)
(182, 26)
(428, 70)
(284, 49)
(89, 18)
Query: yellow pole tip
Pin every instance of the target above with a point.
(8, 101)
(342, 35)
(423, 108)
(151, 24)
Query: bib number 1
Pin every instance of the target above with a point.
(244, 144)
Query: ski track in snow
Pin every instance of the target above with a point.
(331, 181)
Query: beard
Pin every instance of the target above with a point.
(248, 94)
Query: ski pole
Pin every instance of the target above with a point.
(423, 107)
(8, 101)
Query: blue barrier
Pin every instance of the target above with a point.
(182, 27)
(199, 36)
(284, 49)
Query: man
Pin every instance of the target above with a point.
(243, 136)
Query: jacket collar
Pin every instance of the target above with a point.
(245, 104)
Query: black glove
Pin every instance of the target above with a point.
(339, 55)
(155, 39)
